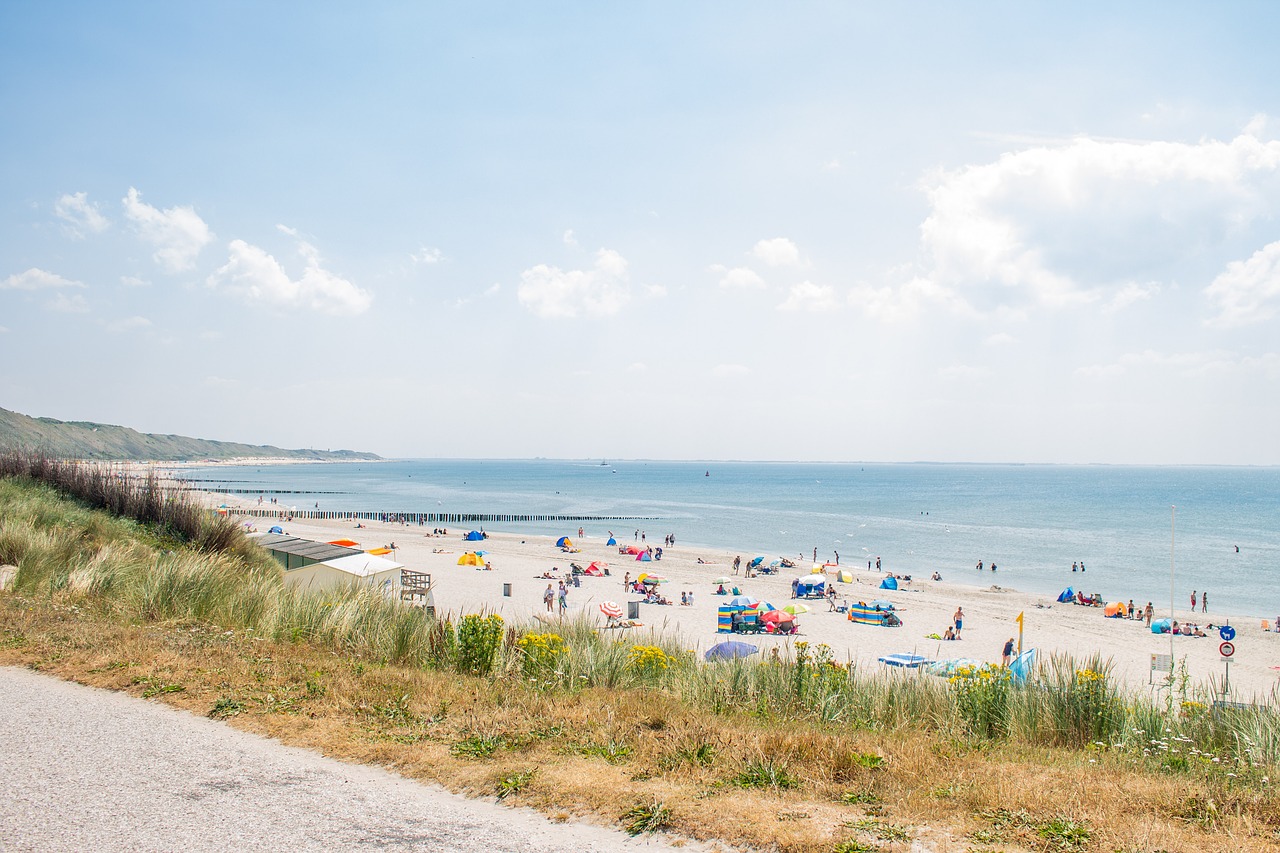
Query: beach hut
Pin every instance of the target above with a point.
(474, 536)
(889, 583)
(359, 568)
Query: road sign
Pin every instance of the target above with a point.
(1227, 649)
(1227, 633)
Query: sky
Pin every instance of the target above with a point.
(979, 232)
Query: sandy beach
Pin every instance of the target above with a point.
(926, 606)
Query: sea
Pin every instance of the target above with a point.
(1133, 532)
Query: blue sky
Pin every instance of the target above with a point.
(960, 232)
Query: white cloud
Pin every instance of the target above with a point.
(1068, 224)
(569, 239)
(4, 330)
(220, 382)
(427, 255)
(963, 372)
(134, 281)
(737, 277)
(1130, 293)
(729, 371)
(832, 165)
(600, 291)
(807, 296)
(493, 289)
(655, 291)
(37, 279)
(129, 324)
(637, 367)
(1186, 364)
(178, 232)
(899, 304)
(999, 339)
(74, 304)
(79, 215)
(1247, 291)
(778, 252)
(258, 277)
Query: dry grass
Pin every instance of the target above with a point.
(601, 752)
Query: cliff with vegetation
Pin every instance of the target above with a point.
(88, 440)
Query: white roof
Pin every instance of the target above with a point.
(362, 565)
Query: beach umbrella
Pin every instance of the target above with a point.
(723, 579)
(654, 579)
(796, 609)
(778, 616)
(741, 601)
(729, 650)
(775, 564)
(844, 576)
(755, 561)
(764, 606)
(611, 609)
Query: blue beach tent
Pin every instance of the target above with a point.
(612, 541)
(1022, 666)
(276, 529)
(889, 583)
(1161, 626)
(474, 536)
(1067, 594)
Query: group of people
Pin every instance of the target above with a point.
(551, 595)
(981, 564)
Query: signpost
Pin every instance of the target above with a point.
(1226, 648)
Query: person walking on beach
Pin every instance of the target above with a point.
(1204, 602)
(815, 553)
(877, 564)
(1148, 613)
(837, 553)
(626, 581)
(548, 597)
(958, 618)
(564, 598)
(737, 561)
(795, 587)
(1008, 652)
(1193, 601)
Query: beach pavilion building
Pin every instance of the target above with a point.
(321, 565)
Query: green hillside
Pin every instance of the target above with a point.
(87, 440)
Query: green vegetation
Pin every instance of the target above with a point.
(87, 440)
(492, 698)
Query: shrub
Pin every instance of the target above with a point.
(478, 638)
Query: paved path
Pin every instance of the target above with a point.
(88, 769)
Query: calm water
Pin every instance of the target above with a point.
(1033, 521)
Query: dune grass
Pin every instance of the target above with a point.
(802, 753)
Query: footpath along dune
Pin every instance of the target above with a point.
(926, 606)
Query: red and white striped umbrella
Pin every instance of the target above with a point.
(611, 609)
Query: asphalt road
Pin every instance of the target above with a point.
(88, 769)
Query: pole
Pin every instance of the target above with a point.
(1173, 514)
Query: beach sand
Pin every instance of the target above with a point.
(925, 606)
